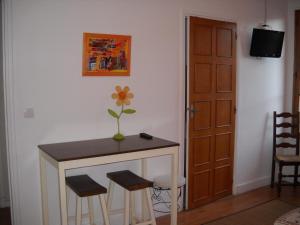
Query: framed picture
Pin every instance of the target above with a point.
(106, 55)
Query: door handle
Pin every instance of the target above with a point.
(192, 110)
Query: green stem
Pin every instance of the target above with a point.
(118, 124)
(118, 119)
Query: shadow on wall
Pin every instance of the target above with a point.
(4, 187)
(266, 144)
(245, 33)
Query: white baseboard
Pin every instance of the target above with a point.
(4, 203)
(251, 185)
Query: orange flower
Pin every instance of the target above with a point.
(122, 96)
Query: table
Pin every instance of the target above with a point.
(78, 154)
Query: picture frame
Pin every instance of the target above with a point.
(106, 55)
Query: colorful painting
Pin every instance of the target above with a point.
(106, 55)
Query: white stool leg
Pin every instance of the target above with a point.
(78, 211)
(145, 214)
(110, 195)
(150, 206)
(68, 191)
(91, 210)
(126, 213)
(104, 210)
(132, 208)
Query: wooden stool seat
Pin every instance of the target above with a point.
(85, 186)
(129, 180)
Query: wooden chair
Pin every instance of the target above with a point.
(84, 186)
(285, 137)
(131, 182)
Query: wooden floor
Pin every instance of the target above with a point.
(218, 209)
(231, 205)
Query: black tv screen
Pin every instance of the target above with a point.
(266, 43)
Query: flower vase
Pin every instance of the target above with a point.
(123, 97)
(118, 137)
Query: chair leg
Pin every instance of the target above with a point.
(150, 206)
(273, 173)
(104, 210)
(78, 211)
(110, 195)
(132, 208)
(91, 210)
(296, 176)
(126, 207)
(279, 179)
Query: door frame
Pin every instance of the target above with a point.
(296, 75)
(185, 87)
(8, 79)
(290, 47)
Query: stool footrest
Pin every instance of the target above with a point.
(149, 222)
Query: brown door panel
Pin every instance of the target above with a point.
(212, 91)
(200, 188)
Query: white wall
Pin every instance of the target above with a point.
(4, 190)
(47, 54)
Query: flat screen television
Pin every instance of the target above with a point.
(266, 43)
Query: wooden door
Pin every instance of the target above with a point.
(212, 91)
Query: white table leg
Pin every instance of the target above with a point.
(174, 187)
(44, 192)
(144, 199)
(62, 196)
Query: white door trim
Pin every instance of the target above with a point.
(8, 81)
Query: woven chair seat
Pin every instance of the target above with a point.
(288, 158)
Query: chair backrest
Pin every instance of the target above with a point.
(285, 130)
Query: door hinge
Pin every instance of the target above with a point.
(235, 109)
(236, 36)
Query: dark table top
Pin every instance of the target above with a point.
(102, 147)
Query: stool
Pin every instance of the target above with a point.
(130, 182)
(163, 184)
(84, 186)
